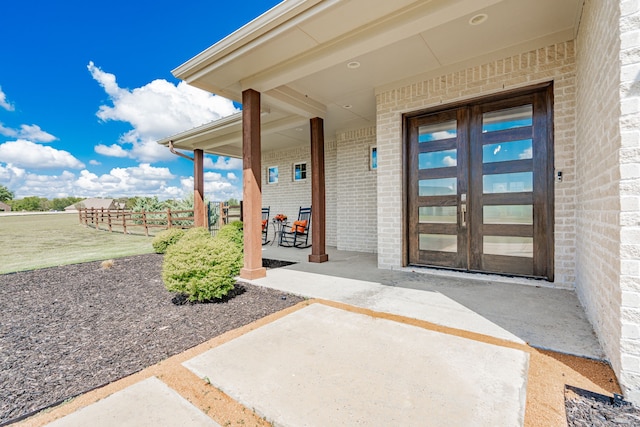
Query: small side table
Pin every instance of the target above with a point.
(278, 228)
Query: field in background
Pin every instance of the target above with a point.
(44, 240)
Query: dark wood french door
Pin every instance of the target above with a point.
(480, 186)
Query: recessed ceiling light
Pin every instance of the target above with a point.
(353, 65)
(347, 106)
(478, 19)
(299, 129)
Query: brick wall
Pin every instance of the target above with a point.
(357, 192)
(598, 144)
(630, 197)
(350, 189)
(288, 195)
(554, 63)
(608, 158)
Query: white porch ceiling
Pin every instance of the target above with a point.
(297, 53)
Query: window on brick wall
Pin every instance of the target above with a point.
(300, 171)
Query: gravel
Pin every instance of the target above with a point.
(69, 329)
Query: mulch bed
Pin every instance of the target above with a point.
(587, 409)
(69, 329)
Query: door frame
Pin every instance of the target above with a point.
(547, 179)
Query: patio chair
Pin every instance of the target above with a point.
(298, 235)
(265, 225)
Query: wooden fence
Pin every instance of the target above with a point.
(131, 222)
(126, 221)
(220, 213)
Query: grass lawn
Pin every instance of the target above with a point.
(44, 240)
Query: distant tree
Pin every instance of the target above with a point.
(149, 204)
(32, 204)
(5, 194)
(233, 202)
(59, 204)
(131, 202)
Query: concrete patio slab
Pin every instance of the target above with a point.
(517, 309)
(323, 366)
(423, 305)
(149, 403)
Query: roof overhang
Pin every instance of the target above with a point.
(327, 58)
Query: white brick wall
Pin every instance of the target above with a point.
(608, 191)
(629, 158)
(357, 192)
(597, 148)
(288, 195)
(349, 184)
(554, 63)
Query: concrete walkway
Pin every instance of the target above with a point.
(373, 347)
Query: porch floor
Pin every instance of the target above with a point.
(515, 309)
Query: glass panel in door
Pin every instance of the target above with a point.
(435, 163)
(479, 189)
(505, 238)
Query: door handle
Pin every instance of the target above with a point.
(463, 215)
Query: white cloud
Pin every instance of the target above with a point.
(11, 176)
(449, 161)
(526, 154)
(113, 150)
(497, 149)
(34, 133)
(216, 188)
(23, 153)
(157, 110)
(443, 134)
(224, 163)
(3, 101)
(12, 133)
(94, 162)
(30, 132)
(26, 184)
(231, 176)
(141, 180)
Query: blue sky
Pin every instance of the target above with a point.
(86, 89)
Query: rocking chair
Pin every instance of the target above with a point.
(298, 235)
(265, 225)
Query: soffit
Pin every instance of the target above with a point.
(223, 137)
(299, 60)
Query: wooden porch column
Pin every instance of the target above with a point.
(251, 186)
(199, 211)
(318, 206)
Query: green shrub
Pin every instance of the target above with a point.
(202, 267)
(232, 232)
(166, 238)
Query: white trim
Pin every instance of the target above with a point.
(293, 171)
